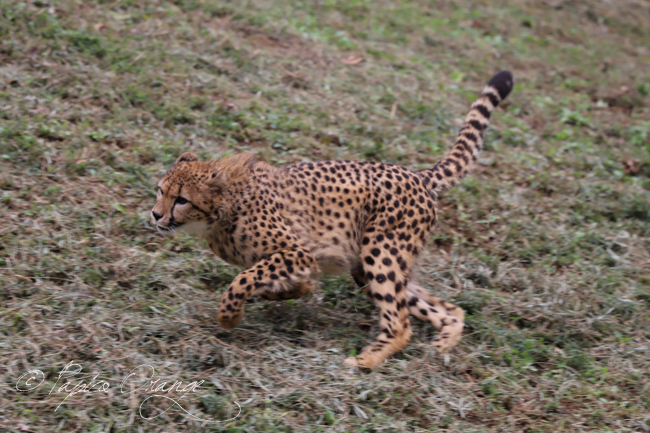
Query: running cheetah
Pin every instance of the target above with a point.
(287, 226)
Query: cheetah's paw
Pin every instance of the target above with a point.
(446, 341)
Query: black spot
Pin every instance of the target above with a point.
(493, 99)
(483, 110)
(470, 136)
(476, 124)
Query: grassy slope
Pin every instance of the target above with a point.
(546, 246)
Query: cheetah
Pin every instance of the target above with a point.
(288, 226)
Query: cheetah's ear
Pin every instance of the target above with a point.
(186, 157)
(217, 180)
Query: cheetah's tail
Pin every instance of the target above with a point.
(469, 143)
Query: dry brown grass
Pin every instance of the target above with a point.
(546, 246)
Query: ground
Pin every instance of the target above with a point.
(546, 246)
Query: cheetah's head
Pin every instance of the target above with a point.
(194, 195)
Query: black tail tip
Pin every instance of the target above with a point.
(503, 82)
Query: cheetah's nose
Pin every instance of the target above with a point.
(156, 216)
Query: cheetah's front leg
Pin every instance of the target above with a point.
(285, 271)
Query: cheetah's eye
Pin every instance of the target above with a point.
(181, 200)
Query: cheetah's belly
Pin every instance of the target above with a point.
(335, 259)
(335, 253)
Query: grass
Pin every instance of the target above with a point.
(546, 246)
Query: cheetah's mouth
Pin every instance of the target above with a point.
(170, 228)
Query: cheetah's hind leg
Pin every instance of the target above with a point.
(384, 283)
(447, 318)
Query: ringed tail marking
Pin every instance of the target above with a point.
(446, 173)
